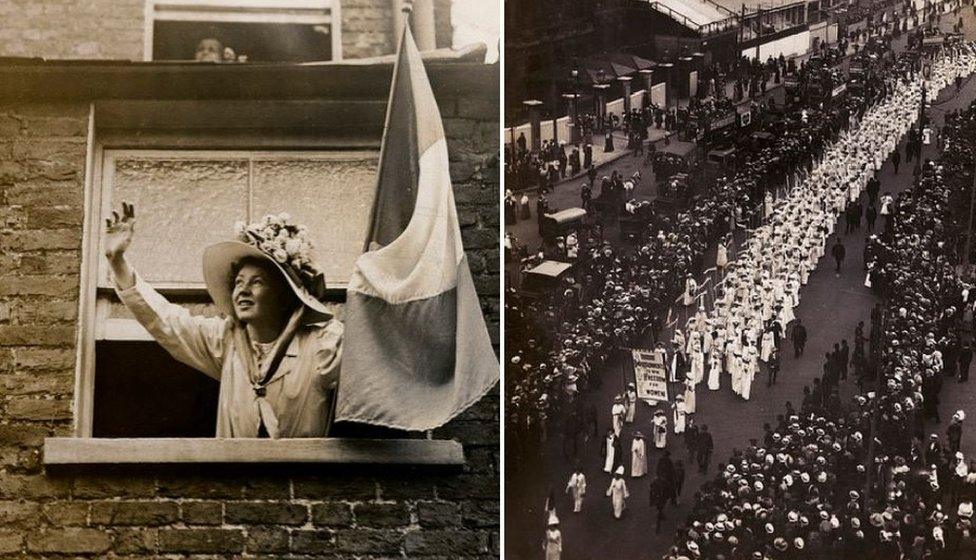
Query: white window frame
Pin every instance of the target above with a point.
(311, 12)
(83, 449)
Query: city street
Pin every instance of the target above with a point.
(830, 307)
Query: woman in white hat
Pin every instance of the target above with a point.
(577, 488)
(617, 492)
(679, 414)
(553, 545)
(618, 413)
(630, 401)
(659, 425)
(638, 456)
(276, 351)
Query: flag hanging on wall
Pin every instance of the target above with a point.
(417, 352)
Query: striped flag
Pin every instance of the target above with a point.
(417, 352)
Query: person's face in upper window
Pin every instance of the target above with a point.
(258, 294)
(209, 50)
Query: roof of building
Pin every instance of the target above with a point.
(700, 12)
(696, 13)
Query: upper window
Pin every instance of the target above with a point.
(243, 30)
(187, 200)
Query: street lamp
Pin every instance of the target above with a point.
(601, 78)
(576, 134)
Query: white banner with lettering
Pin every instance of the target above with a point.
(650, 376)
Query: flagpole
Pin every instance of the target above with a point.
(406, 9)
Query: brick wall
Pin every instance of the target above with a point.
(209, 511)
(367, 28)
(114, 29)
(89, 29)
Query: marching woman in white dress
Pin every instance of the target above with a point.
(577, 488)
(767, 345)
(618, 411)
(553, 545)
(609, 451)
(715, 360)
(697, 357)
(749, 366)
(659, 423)
(690, 395)
(630, 403)
(735, 369)
(722, 255)
(638, 456)
(693, 337)
(618, 493)
(691, 286)
(680, 414)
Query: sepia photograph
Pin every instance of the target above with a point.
(739, 279)
(250, 299)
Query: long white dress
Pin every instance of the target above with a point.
(691, 286)
(638, 458)
(697, 372)
(660, 427)
(618, 411)
(680, 414)
(690, 403)
(577, 488)
(714, 369)
(722, 256)
(768, 344)
(736, 371)
(631, 403)
(608, 463)
(748, 371)
(554, 544)
(694, 337)
(618, 495)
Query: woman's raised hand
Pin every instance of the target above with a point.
(119, 231)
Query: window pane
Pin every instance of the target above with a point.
(259, 42)
(331, 197)
(140, 391)
(182, 206)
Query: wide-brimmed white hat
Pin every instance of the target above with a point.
(304, 279)
(553, 518)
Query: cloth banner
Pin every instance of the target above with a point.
(651, 377)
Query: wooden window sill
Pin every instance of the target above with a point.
(92, 451)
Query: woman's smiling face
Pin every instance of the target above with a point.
(258, 293)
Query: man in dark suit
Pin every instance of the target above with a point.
(843, 358)
(773, 368)
(965, 357)
(659, 499)
(829, 370)
(705, 447)
(839, 252)
(665, 472)
(799, 338)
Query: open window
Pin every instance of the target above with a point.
(187, 200)
(252, 30)
(190, 183)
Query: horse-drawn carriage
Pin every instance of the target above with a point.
(564, 222)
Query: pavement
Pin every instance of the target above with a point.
(830, 307)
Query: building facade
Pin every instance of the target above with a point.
(168, 29)
(192, 144)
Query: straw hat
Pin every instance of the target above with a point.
(276, 241)
(553, 519)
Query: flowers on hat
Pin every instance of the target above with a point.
(288, 244)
